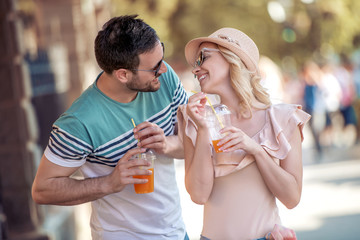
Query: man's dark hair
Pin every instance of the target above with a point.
(121, 41)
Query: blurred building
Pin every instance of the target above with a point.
(46, 61)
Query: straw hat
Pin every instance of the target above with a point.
(232, 39)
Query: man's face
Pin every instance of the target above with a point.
(144, 79)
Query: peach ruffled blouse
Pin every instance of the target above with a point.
(240, 205)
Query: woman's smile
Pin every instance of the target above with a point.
(202, 77)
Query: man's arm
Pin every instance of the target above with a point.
(53, 183)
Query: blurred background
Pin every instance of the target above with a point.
(310, 55)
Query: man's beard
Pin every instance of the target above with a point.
(135, 86)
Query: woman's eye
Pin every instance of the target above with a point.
(201, 58)
(205, 56)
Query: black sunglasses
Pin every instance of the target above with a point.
(157, 67)
(201, 58)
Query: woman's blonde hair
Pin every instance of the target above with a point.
(244, 82)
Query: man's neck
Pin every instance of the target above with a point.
(114, 89)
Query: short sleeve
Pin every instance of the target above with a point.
(186, 124)
(177, 91)
(68, 143)
(283, 121)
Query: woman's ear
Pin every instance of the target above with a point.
(122, 75)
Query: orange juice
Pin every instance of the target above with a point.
(216, 147)
(145, 187)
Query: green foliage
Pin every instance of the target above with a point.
(322, 27)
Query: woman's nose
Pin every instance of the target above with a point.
(195, 70)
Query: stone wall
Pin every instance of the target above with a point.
(46, 61)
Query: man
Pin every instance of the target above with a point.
(96, 136)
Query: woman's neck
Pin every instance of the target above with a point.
(232, 101)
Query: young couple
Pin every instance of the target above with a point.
(96, 136)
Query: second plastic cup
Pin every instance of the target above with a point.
(214, 125)
(149, 186)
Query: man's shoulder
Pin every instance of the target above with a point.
(84, 107)
(170, 77)
(85, 102)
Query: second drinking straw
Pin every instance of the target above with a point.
(208, 100)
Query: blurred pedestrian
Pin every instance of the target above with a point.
(261, 159)
(311, 76)
(355, 59)
(343, 73)
(331, 94)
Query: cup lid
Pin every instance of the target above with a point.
(148, 155)
(221, 109)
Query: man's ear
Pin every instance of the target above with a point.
(122, 75)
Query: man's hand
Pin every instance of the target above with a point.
(151, 136)
(126, 168)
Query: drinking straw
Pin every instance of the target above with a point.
(208, 100)
(132, 120)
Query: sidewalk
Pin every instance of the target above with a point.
(330, 204)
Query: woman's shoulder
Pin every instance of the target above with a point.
(284, 107)
(282, 119)
(284, 111)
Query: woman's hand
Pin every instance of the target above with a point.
(236, 139)
(196, 109)
(281, 233)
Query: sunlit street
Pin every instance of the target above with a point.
(87, 85)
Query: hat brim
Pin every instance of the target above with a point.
(192, 48)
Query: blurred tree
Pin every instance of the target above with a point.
(323, 28)
(309, 27)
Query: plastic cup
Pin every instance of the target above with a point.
(149, 186)
(216, 123)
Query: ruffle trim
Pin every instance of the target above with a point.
(185, 122)
(281, 122)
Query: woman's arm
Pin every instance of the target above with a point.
(199, 170)
(284, 181)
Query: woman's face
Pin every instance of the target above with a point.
(211, 69)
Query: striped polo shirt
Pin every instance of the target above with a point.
(96, 131)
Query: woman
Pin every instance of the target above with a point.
(262, 157)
